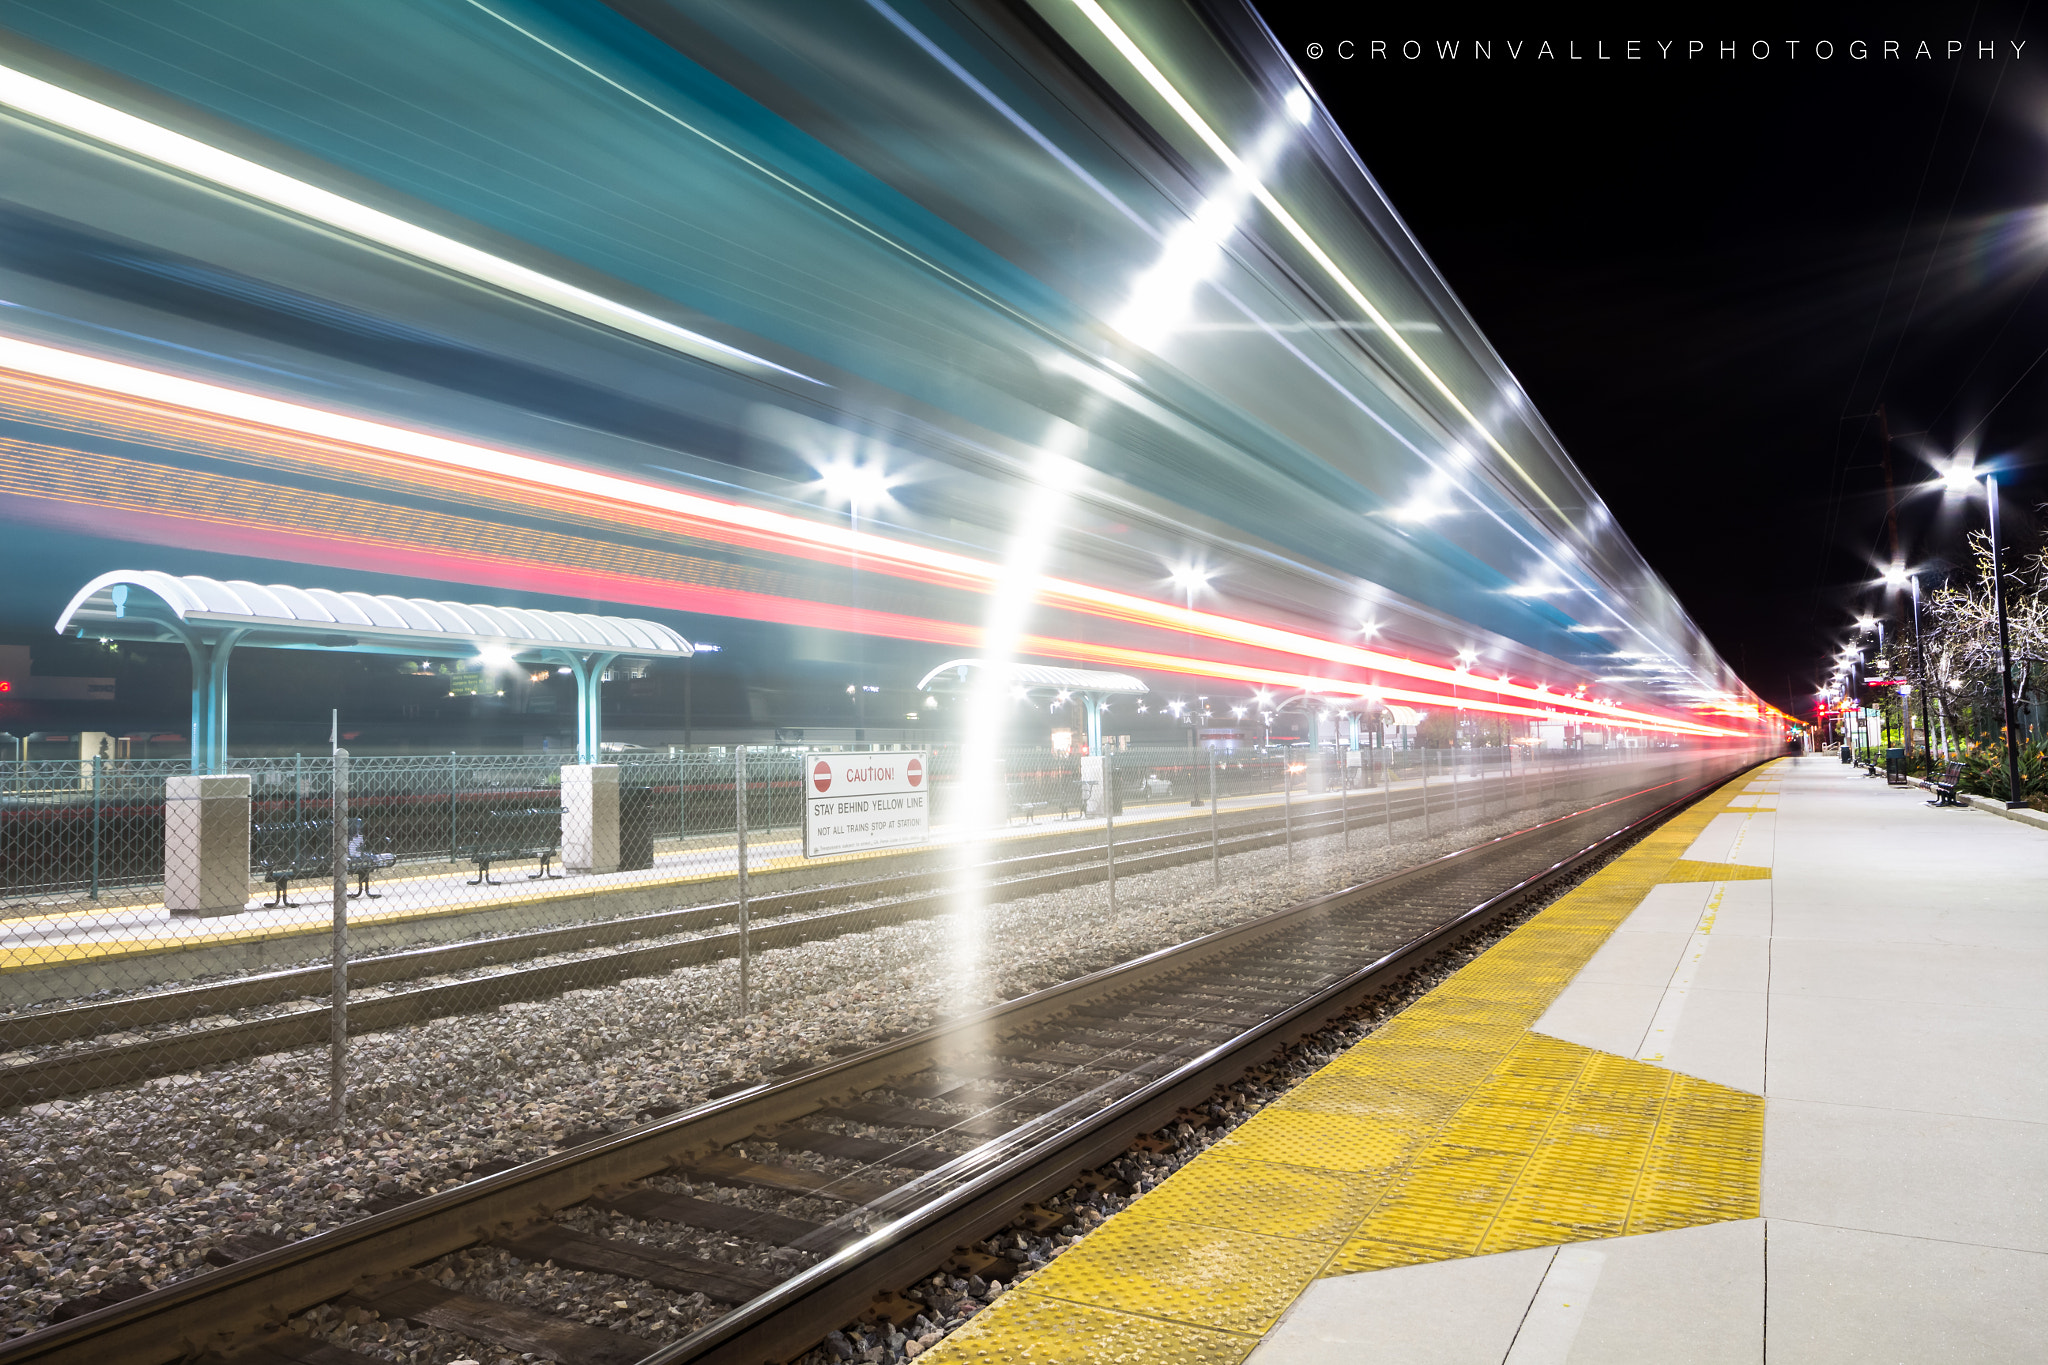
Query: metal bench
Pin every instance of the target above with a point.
(286, 851)
(1945, 790)
(1026, 799)
(291, 850)
(531, 832)
(363, 860)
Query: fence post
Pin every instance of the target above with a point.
(739, 794)
(337, 1039)
(1215, 847)
(96, 762)
(1425, 793)
(1109, 823)
(1387, 779)
(453, 837)
(1344, 799)
(682, 797)
(1287, 807)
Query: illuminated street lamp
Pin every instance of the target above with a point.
(1920, 656)
(2013, 798)
(1960, 480)
(856, 485)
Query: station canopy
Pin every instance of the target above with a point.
(148, 605)
(1087, 681)
(212, 619)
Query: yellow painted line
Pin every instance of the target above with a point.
(28, 957)
(1453, 1131)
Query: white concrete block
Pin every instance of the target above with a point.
(206, 844)
(590, 817)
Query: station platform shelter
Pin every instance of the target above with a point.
(1771, 1086)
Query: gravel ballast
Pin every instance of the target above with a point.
(951, 1300)
(139, 1183)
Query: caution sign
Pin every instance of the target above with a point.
(856, 802)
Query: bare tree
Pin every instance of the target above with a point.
(1962, 642)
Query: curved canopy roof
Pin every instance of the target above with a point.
(1041, 675)
(143, 604)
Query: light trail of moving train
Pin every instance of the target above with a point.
(1057, 301)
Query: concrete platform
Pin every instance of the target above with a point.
(1848, 1160)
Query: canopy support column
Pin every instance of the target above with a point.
(210, 699)
(1091, 711)
(588, 670)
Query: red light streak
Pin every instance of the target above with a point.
(312, 439)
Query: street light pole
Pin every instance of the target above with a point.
(1920, 650)
(2014, 799)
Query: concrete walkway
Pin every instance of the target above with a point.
(1881, 978)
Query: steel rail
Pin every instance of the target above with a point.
(84, 1070)
(227, 1306)
(1041, 1156)
(33, 1027)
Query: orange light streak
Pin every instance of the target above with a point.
(196, 510)
(729, 523)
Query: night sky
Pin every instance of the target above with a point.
(1709, 272)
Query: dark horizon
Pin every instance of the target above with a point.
(1722, 279)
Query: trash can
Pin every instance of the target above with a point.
(1848, 753)
(636, 828)
(1895, 767)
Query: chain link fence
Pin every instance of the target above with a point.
(153, 920)
(389, 1020)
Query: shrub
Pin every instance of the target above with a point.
(1984, 772)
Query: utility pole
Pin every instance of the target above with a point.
(1891, 523)
(2014, 797)
(1920, 652)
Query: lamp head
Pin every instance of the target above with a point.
(857, 485)
(1960, 476)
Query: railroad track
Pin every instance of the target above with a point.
(614, 950)
(954, 1129)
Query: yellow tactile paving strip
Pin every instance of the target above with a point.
(1692, 870)
(1453, 1131)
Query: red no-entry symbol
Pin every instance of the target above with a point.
(915, 772)
(821, 777)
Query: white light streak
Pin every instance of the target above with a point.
(55, 105)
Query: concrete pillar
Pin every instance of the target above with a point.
(1094, 790)
(206, 843)
(590, 817)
